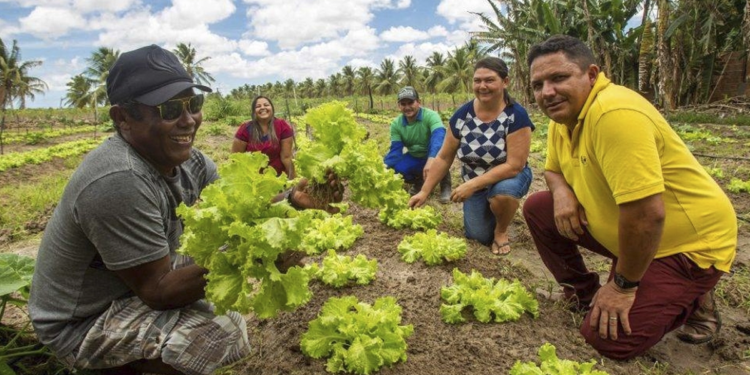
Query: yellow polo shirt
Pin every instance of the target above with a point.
(623, 150)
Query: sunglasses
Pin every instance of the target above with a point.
(172, 109)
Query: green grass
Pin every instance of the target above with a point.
(734, 289)
(27, 202)
(692, 117)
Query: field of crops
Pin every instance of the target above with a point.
(30, 189)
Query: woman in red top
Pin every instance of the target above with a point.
(267, 134)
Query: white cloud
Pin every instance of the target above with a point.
(437, 31)
(184, 14)
(253, 48)
(315, 61)
(6, 30)
(51, 23)
(403, 34)
(139, 27)
(89, 6)
(293, 23)
(421, 51)
(461, 12)
(57, 73)
(36, 3)
(358, 63)
(457, 37)
(403, 4)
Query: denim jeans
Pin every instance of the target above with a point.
(408, 166)
(479, 221)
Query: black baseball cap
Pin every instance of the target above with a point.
(150, 75)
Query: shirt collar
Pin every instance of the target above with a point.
(405, 122)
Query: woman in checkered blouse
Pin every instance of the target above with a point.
(491, 135)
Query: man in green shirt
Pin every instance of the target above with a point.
(416, 137)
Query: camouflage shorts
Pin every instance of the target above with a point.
(192, 339)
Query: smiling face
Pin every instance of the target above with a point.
(561, 87)
(410, 108)
(489, 86)
(263, 110)
(164, 143)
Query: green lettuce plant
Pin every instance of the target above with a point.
(357, 337)
(500, 301)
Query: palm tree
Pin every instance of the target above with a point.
(79, 94)
(350, 78)
(320, 88)
(408, 67)
(366, 79)
(100, 63)
(386, 78)
(666, 87)
(307, 87)
(435, 64)
(458, 71)
(15, 81)
(186, 53)
(289, 86)
(29, 87)
(475, 51)
(746, 33)
(334, 84)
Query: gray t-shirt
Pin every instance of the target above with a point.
(117, 212)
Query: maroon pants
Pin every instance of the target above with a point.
(667, 296)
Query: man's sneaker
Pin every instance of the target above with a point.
(704, 324)
(416, 187)
(445, 189)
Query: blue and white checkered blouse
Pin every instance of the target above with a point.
(482, 145)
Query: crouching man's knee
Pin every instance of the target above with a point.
(203, 345)
(624, 348)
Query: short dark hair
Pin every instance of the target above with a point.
(498, 66)
(573, 48)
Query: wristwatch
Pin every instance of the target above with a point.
(624, 283)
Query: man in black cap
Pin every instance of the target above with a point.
(416, 137)
(109, 289)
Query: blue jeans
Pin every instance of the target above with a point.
(479, 221)
(408, 166)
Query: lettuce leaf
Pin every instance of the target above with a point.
(338, 270)
(434, 248)
(500, 301)
(552, 365)
(357, 337)
(336, 232)
(236, 233)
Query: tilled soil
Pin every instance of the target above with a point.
(473, 347)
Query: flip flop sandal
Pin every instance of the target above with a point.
(500, 246)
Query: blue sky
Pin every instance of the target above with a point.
(248, 41)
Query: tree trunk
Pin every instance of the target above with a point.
(288, 113)
(372, 103)
(644, 57)
(666, 66)
(2, 130)
(746, 35)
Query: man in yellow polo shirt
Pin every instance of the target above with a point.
(623, 184)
